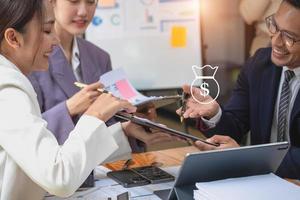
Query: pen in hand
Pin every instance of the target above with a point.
(82, 85)
(184, 97)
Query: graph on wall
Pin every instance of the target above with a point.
(155, 41)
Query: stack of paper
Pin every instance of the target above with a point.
(261, 187)
(117, 83)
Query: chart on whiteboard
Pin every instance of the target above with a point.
(150, 39)
(119, 18)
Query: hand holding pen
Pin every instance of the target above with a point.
(184, 98)
(81, 100)
(105, 105)
(82, 85)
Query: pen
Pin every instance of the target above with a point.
(183, 109)
(126, 164)
(82, 85)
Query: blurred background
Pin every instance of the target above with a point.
(157, 42)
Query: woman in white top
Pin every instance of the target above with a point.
(31, 161)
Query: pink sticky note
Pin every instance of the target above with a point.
(125, 89)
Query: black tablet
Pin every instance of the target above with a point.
(152, 125)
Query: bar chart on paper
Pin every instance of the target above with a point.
(155, 41)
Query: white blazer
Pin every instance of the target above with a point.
(31, 161)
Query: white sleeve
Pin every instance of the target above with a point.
(124, 150)
(60, 170)
(212, 122)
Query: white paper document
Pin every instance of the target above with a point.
(260, 187)
(101, 180)
(117, 83)
(106, 188)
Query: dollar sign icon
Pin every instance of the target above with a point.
(204, 89)
(206, 84)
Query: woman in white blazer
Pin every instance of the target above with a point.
(31, 161)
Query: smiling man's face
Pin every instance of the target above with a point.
(287, 20)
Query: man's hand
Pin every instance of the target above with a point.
(148, 138)
(147, 111)
(224, 141)
(194, 109)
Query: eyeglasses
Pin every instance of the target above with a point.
(273, 29)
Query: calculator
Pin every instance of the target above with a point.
(127, 178)
(140, 176)
(154, 174)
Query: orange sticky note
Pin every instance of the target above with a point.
(106, 3)
(178, 36)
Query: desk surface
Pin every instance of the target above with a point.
(163, 158)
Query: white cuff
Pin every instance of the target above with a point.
(212, 122)
(95, 133)
(87, 125)
(124, 150)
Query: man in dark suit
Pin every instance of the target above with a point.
(266, 100)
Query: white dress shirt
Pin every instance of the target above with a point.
(31, 161)
(294, 87)
(75, 62)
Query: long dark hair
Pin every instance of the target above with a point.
(17, 13)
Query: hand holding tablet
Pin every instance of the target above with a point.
(152, 125)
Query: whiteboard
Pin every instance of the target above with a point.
(156, 42)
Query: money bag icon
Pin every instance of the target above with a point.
(208, 85)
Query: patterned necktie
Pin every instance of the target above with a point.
(284, 105)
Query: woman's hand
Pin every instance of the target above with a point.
(149, 138)
(224, 141)
(106, 106)
(194, 109)
(80, 101)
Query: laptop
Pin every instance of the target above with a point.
(222, 164)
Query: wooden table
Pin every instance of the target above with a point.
(163, 158)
